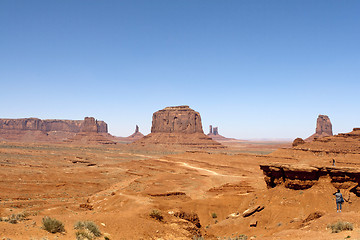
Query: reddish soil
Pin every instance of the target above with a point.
(119, 185)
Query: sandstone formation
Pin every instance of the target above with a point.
(136, 135)
(90, 134)
(215, 131)
(303, 176)
(343, 143)
(49, 130)
(178, 126)
(323, 128)
(298, 141)
(214, 134)
(47, 125)
(180, 119)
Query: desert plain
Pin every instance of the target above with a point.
(201, 189)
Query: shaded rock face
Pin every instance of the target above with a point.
(136, 135)
(89, 125)
(179, 127)
(215, 131)
(323, 125)
(136, 129)
(180, 119)
(323, 128)
(35, 124)
(298, 141)
(305, 176)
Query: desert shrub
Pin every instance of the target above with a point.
(106, 238)
(84, 234)
(198, 238)
(341, 226)
(213, 215)
(156, 214)
(88, 225)
(240, 237)
(15, 218)
(52, 225)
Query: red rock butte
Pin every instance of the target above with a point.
(179, 125)
(323, 128)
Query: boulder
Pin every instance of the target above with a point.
(252, 210)
(298, 141)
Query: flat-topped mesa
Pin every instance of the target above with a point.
(178, 126)
(180, 119)
(323, 128)
(47, 125)
(48, 130)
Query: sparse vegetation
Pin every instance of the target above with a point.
(84, 234)
(156, 214)
(240, 237)
(341, 226)
(213, 215)
(52, 225)
(15, 218)
(198, 238)
(87, 230)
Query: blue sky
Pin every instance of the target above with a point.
(255, 69)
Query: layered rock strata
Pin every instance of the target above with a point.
(52, 130)
(179, 126)
(90, 133)
(179, 119)
(303, 176)
(48, 125)
(323, 128)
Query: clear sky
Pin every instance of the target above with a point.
(255, 69)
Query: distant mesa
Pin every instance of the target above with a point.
(323, 128)
(214, 134)
(48, 125)
(180, 126)
(49, 130)
(90, 133)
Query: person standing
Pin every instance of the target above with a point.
(339, 200)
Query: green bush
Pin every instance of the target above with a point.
(88, 225)
(213, 215)
(156, 214)
(52, 225)
(341, 226)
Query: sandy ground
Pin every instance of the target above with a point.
(119, 186)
